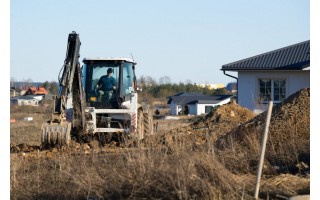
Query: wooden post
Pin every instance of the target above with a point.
(263, 149)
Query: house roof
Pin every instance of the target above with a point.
(187, 94)
(37, 90)
(203, 99)
(293, 57)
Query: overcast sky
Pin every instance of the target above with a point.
(184, 40)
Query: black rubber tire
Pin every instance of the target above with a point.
(140, 126)
(148, 123)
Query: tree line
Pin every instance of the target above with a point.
(151, 89)
(149, 86)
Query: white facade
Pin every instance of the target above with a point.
(28, 102)
(25, 101)
(248, 85)
(197, 108)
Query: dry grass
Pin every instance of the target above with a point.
(165, 166)
(143, 173)
(22, 130)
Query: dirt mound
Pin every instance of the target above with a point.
(207, 129)
(223, 119)
(288, 141)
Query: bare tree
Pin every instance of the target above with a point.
(29, 82)
(141, 81)
(150, 81)
(188, 81)
(164, 80)
(12, 81)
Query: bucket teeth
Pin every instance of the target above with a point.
(55, 134)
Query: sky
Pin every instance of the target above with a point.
(184, 41)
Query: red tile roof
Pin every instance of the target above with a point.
(36, 90)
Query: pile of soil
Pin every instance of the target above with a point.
(223, 119)
(206, 129)
(288, 144)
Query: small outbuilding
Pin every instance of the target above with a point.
(195, 103)
(25, 101)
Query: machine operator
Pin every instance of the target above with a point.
(106, 85)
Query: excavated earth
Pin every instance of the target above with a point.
(236, 134)
(288, 144)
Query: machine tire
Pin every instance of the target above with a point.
(148, 123)
(140, 126)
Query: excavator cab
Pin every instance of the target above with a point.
(123, 74)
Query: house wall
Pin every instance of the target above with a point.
(193, 109)
(29, 102)
(201, 108)
(174, 108)
(198, 109)
(248, 86)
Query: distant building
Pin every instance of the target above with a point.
(16, 92)
(13, 92)
(24, 101)
(36, 90)
(195, 103)
(210, 85)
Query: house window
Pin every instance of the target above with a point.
(272, 89)
(207, 109)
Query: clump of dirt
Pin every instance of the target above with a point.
(288, 142)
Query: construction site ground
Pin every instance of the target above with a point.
(213, 156)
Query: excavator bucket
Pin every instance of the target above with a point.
(56, 134)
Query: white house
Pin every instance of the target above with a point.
(274, 75)
(195, 103)
(25, 100)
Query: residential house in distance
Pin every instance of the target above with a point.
(271, 76)
(31, 97)
(210, 86)
(16, 92)
(37, 92)
(24, 101)
(13, 92)
(195, 103)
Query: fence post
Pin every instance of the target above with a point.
(263, 149)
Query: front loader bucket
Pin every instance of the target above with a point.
(55, 134)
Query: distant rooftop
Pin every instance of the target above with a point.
(187, 98)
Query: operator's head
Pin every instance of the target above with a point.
(109, 71)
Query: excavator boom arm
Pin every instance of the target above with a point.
(57, 130)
